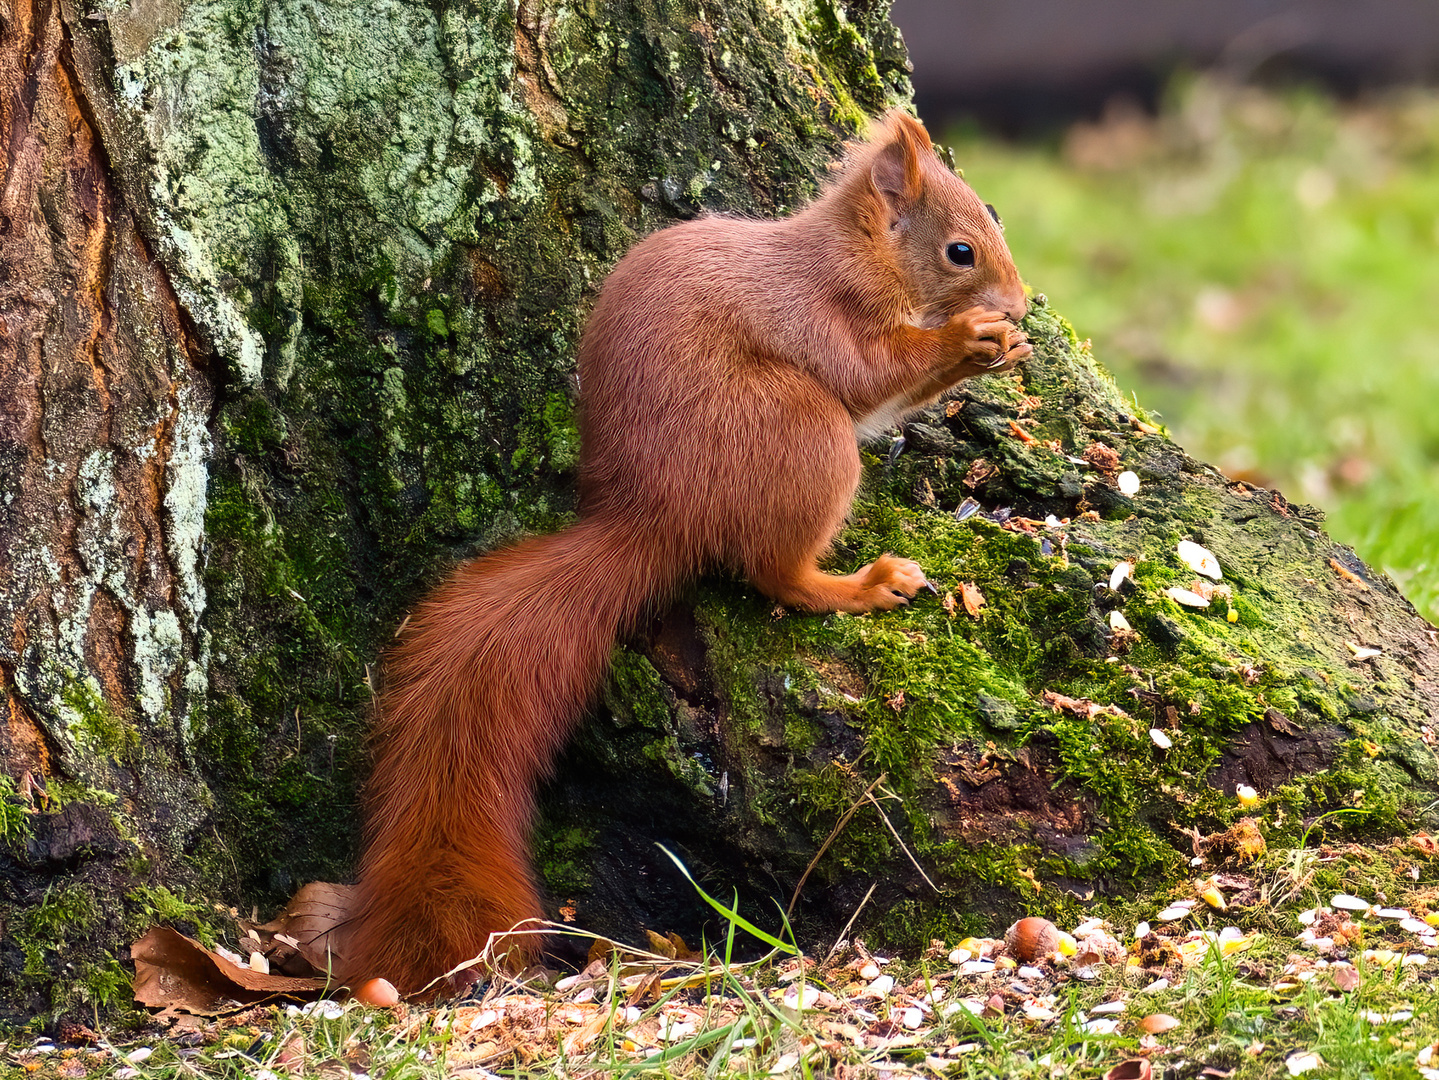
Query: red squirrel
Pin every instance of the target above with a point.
(726, 374)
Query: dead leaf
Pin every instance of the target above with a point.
(661, 945)
(644, 986)
(683, 952)
(1019, 433)
(291, 1056)
(949, 604)
(973, 598)
(307, 939)
(979, 471)
(591, 1030)
(174, 973)
(1345, 976)
(1080, 706)
(1103, 458)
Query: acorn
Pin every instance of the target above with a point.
(377, 992)
(1031, 938)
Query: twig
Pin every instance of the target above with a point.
(879, 810)
(838, 827)
(835, 947)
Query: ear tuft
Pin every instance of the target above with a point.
(895, 169)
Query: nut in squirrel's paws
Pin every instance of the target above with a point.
(891, 581)
(989, 339)
(1019, 350)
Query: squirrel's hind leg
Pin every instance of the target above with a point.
(885, 583)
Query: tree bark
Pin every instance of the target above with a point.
(290, 298)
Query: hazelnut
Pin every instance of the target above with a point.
(377, 992)
(1031, 938)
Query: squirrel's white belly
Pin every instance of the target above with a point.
(886, 416)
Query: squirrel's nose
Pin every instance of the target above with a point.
(1017, 308)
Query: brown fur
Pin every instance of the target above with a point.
(724, 374)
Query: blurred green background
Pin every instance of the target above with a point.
(1261, 268)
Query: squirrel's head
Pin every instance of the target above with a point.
(946, 244)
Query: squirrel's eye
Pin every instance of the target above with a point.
(960, 254)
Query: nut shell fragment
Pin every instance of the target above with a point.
(1158, 1023)
(1345, 902)
(1133, 1069)
(1187, 597)
(1200, 559)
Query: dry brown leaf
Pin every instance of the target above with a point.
(661, 945)
(174, 973)
(308, 937)
(291, 1056)
(1103, 458)
(979, 471)
(973, 598)
(580, 1040)
(683, 952)
(1080, 706)
(1345, 976)
(644, 986)
(601, 949)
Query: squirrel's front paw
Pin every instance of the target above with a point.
(985, 337)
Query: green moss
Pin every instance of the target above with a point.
(104, 985)
(65, 914)
(926, 687)
(96, 726)
(158, 904)
(15, 826)
(564, 858)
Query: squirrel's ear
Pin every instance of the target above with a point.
(895, 171)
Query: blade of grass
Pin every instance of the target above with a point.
(733, 916)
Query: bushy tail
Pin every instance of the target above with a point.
(490, 674)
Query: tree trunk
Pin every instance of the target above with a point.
(290, 298)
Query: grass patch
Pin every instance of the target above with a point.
(1276, 975)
